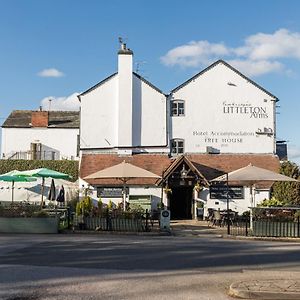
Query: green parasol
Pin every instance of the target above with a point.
(43, 173)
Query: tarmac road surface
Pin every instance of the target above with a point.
(80, 266)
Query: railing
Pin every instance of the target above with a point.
(240, 227)
(270, 228)
(115, 221)
(266, 228)
(37, 155)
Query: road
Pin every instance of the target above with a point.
(79, 266)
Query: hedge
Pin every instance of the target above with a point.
(65, 166)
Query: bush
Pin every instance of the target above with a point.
(65, 166)
(84, 207)
(271, 202)
(40, 214)
(23, 210)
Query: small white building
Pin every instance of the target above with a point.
(215, 122)
(46, 135)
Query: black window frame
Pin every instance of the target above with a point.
(175, 110)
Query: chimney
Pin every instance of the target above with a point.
(125, 96)
(39, 118)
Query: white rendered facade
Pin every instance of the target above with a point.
(56, 143)
(221, 112)
(225, 112)
(129, 110)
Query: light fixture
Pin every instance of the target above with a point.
(183, 172)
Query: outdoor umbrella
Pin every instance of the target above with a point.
(52, 191)
(250, 175)
(13, 177)
(43, 173)
(123, 172)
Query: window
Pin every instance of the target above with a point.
(177, 146)
(177, 108)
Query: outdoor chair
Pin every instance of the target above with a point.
(217, 218)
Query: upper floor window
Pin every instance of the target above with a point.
(177, 146)
(177, 108)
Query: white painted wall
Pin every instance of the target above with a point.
(154, 192)
(99, 116)
(211, 118)
(62, 141)
(149, 115)
(125, 87)
(238, 205)
(105, 118)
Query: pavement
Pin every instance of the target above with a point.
(266, 289)
(251, 289)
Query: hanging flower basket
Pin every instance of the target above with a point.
(198, 188)
(168, 191)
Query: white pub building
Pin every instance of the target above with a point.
(215, 122)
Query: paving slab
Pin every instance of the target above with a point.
(266, 289)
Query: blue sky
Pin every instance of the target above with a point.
(59, 48)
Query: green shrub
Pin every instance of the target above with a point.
(271, 202)
(84, 207)
(40, 214)
(65, 166)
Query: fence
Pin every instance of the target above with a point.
(240, 227)
(267, 228)
(115, 221)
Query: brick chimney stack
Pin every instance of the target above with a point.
(39, 118)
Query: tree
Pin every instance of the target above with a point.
(288, 192)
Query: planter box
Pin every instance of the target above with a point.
(29, 225)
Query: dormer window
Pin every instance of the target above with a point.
(177, 108)
(177, 146)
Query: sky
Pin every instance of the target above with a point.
(59, 48)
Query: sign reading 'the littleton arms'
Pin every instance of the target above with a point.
(109, 192)
(219, 192)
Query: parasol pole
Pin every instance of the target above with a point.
(12, 191)
(124, 194)
(251, 208)
(43, 185)
(227, 202)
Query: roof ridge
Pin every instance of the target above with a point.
(221, 61)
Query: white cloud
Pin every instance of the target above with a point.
(259, 54)
(256, 68)
(61, 103)
(52, 72)
(194, 54)
(281, 44)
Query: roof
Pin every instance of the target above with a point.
(208, 165)
(91, 163)
(97, 85)
(111, 76)
(148, 83)
(57, 119)
(213, 165)
(230, 67)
